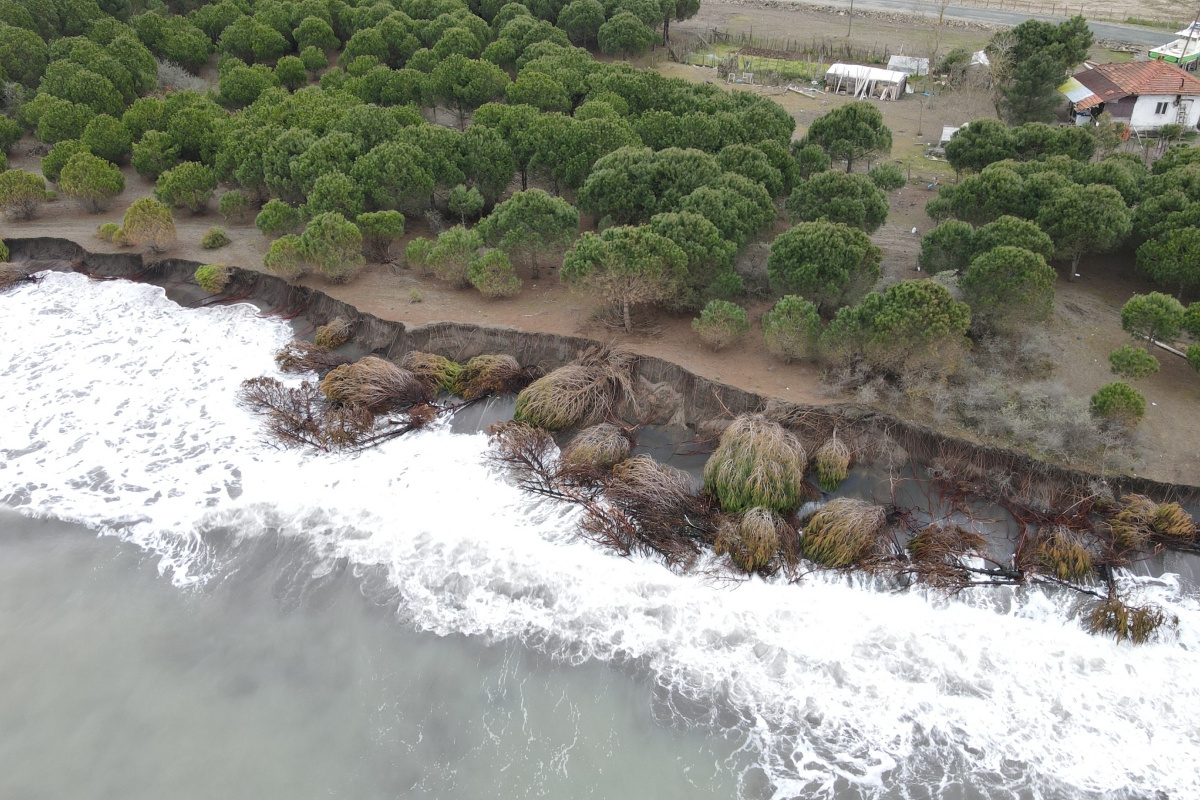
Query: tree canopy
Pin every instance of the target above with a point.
(626, 265)
(851, 133)
(829, 263)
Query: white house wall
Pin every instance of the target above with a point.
(1144, 118)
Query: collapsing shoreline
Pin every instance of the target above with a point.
(667, 394)
(1074, 532)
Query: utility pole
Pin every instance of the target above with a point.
(850, 21)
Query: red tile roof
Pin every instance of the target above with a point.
(1142, 77)
(1103, 89)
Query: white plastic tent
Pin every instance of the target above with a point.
(862, 82)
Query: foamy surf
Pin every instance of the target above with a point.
(120, 412)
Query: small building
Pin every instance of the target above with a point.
(1145, 95)
(863, 82)
(909, 65)
(1184, 51)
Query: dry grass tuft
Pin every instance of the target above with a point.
(1131, 525)
(833, 463)
(1135, 624)
(588, 391)
(439, 373)
(334, 333)
(374, 384)
(491, 375)
(937, 554)
(753, 540)
(300, 356)
(11, 273)
(1173, 524)
(758, 463)
(1061, 554)
(843, 532)
(601, 446)
(651, 508)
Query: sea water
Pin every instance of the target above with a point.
(403, 622)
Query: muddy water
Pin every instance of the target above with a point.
(404, 623)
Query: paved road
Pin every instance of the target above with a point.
(1103, 30)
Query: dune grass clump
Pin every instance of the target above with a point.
(1131, 525)
(375, 384)
(214, 238)
(842, 533)
(334, 334)
(301, 356)
(1174, 525)
(1135, 624)
(490, 375)
(1063, 555)
(587, 391)
(601, 446)
(439, 373)
(833, 463)
(758, 463)
(212, 278)
(753, 539)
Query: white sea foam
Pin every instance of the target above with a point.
(119, 411)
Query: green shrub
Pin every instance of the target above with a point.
(915, 327)
(721, 323)
(313, 59)
(213, 278)
(811, 159)
(1133, 363)
(156, 153)
(465, 202)
(234, 205)
(334, 191)
(888, 177)
(107, 138)
(1155, 316)
(332, 245)
(792, 329)
(947, 247)
(1193, 356)
(59, 155)
(451, 257)
(1009, 287)
(189, 185)
(214, 238)
(147, 222)
(830, 263)
(285, 257)
(417, 254)
(92, 181)
(291, 73)
(493, 275)
(380, 230)
(838, 196)
(10, 133)
(1191, 319)
(277, 218)
(106, 231)
(1121, 402)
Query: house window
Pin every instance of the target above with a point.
(1161, 108)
